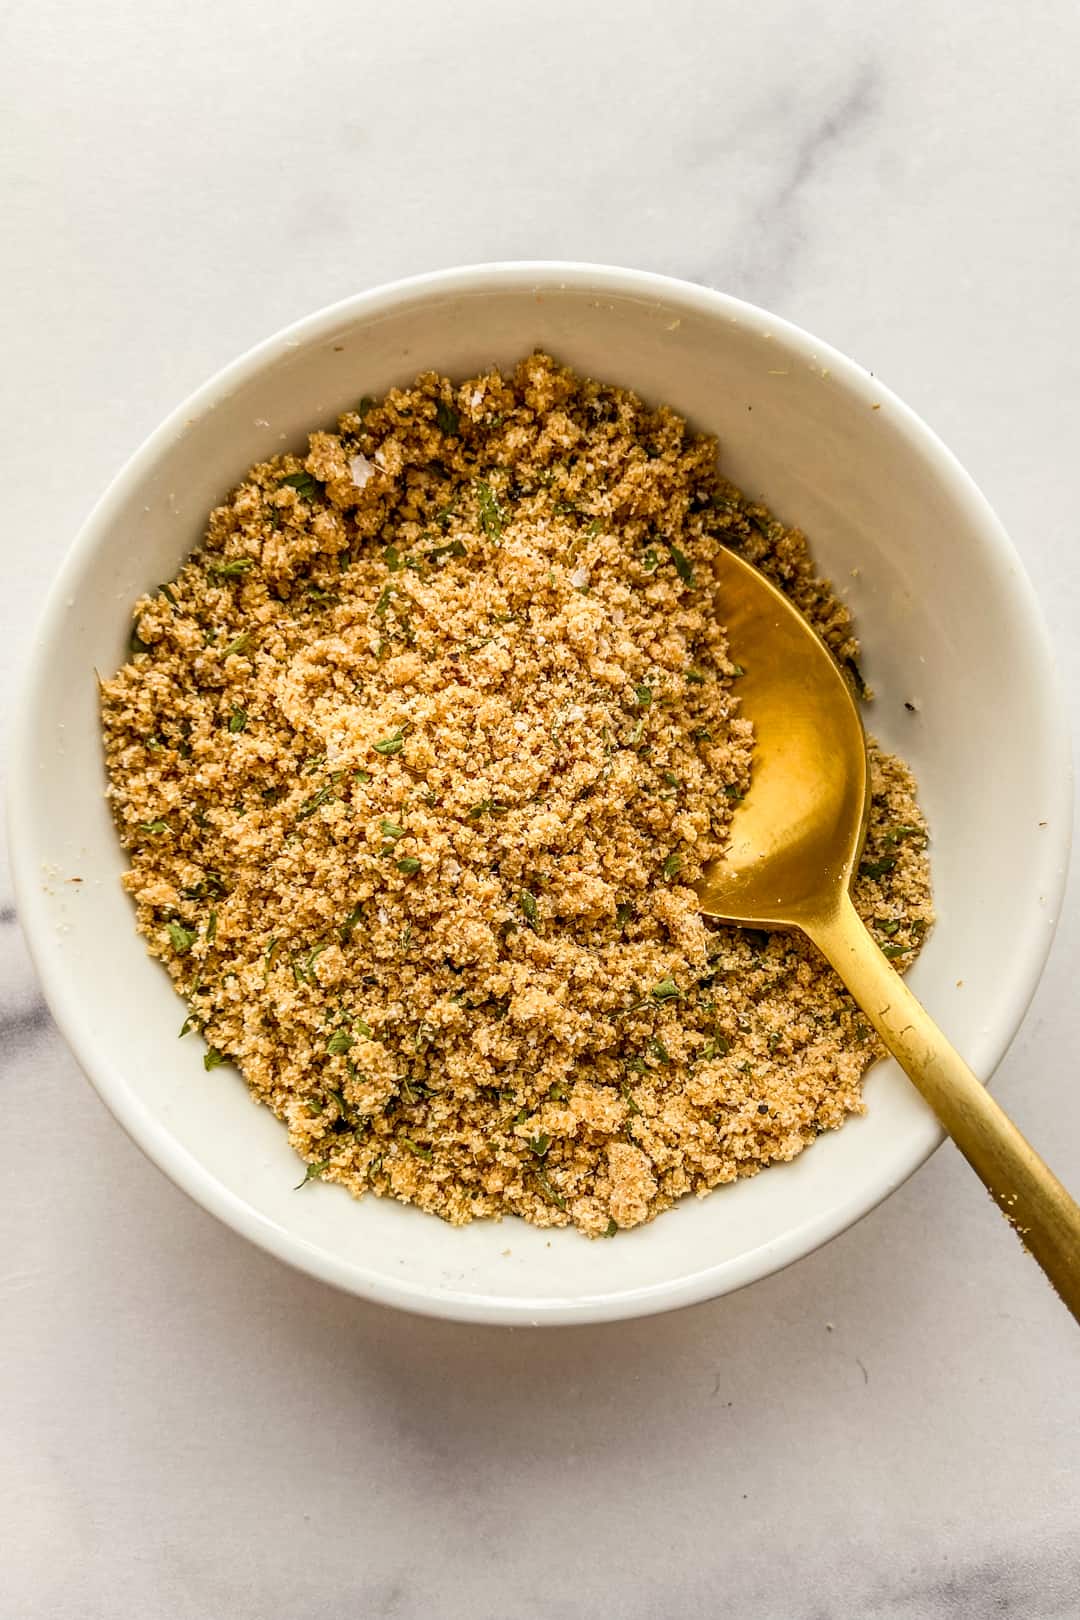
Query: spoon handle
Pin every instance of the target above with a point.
(1026, 1191)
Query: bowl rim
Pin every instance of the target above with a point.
(1031, 945)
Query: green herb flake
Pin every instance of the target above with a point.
(610, 1229)
(210, 884)
(492, 516)
(549, 1191)
(453, 548)
(725, 506)
(894, 951)
(672, 865)
(313, 1172)
(211, 928)
(390, 829)
(307, 487)
(539, 1144)
(415, 1147)
(447, 419)
(878, 868)
(238, 720)
(235, 568)
(192, 1021)
(695, 677)
(316, 802)
(651, 560)
(682, 565)
(155, 827)
(887, 926)
(666, 990)
(240, 645)
(304, 970)
(408, 864)
(212, 1059)
(897, 834)
(643, 696)
(182, 938)
(488, 807)
(390, 745)
(339, 1043)
(527, 902)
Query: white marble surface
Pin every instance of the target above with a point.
(888, 1430)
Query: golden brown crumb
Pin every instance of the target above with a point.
(416, 761)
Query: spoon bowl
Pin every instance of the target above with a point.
(799, 832)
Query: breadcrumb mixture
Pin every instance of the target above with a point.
(416, 761)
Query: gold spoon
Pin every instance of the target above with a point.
(795, 844)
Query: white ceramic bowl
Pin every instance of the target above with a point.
(949, 625)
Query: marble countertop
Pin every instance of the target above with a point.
(887, 1431)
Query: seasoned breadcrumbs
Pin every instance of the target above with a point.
(416, 761)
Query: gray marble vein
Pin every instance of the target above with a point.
(28, 1018)
(793, 130)
(837, 126)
